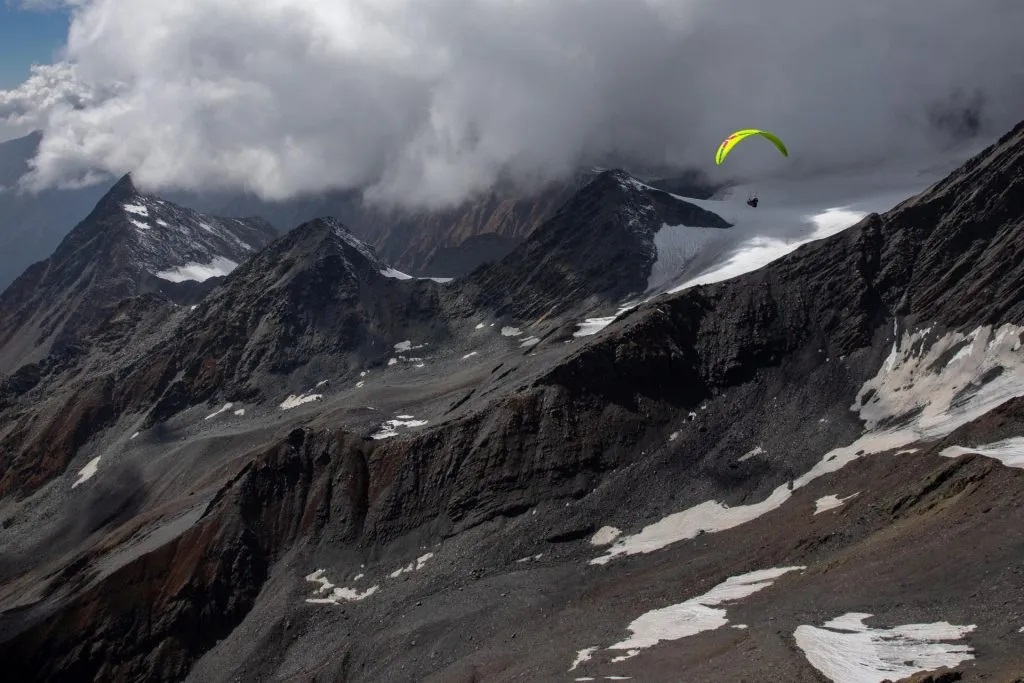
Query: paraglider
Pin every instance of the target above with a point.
(740, 135)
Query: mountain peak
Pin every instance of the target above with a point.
(327, 234)
(130, 244)
(125, 187)
(122, 192)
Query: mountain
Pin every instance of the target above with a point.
(444, 242)
(130, 244)
(316, 303)
(316, 300)
(598, 248)
(811, 471)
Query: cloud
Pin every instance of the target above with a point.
(424, 103)
(48, 87)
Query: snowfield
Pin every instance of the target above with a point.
(1010, 452)
(199, 272)
(845, 650)
(793, 211)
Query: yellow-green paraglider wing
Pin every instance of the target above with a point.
(738, 136)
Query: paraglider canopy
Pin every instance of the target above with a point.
(740, 135)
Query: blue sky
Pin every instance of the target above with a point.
(28, 37)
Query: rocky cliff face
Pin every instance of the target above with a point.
(792, 463)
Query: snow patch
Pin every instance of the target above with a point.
(847, 650)
(469, 355)
(830, 502)
(403, 346)
(321, 383)
(133, 436)
(87, 472)
(294, 401)
(510, 332)
(529, 558)
(757, 450)
(137, 209)
(582, 656)
(699, 614)
(1010, 452)
(390, 428)
(480, 326)
(605, 535)
(396, 274)
(707, 517)
(240, 412)
(530, 341)
(226, 408)
(412, 566)
(139, 224)
(592, 326)
(162, 223)
(336, 595)
(629, 655)
(199, 272)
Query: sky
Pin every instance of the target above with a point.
(28, 37)
(425, 103)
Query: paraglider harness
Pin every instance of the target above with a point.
(752, 201)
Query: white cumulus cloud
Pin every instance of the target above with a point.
(426, 102)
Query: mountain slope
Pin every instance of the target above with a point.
(599, 247)
(129, 244)
(810, 470)
(316, 297)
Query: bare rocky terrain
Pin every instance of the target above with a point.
(328, 470)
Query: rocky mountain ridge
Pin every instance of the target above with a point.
(774, 461)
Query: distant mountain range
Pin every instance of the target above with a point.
(443, 242)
